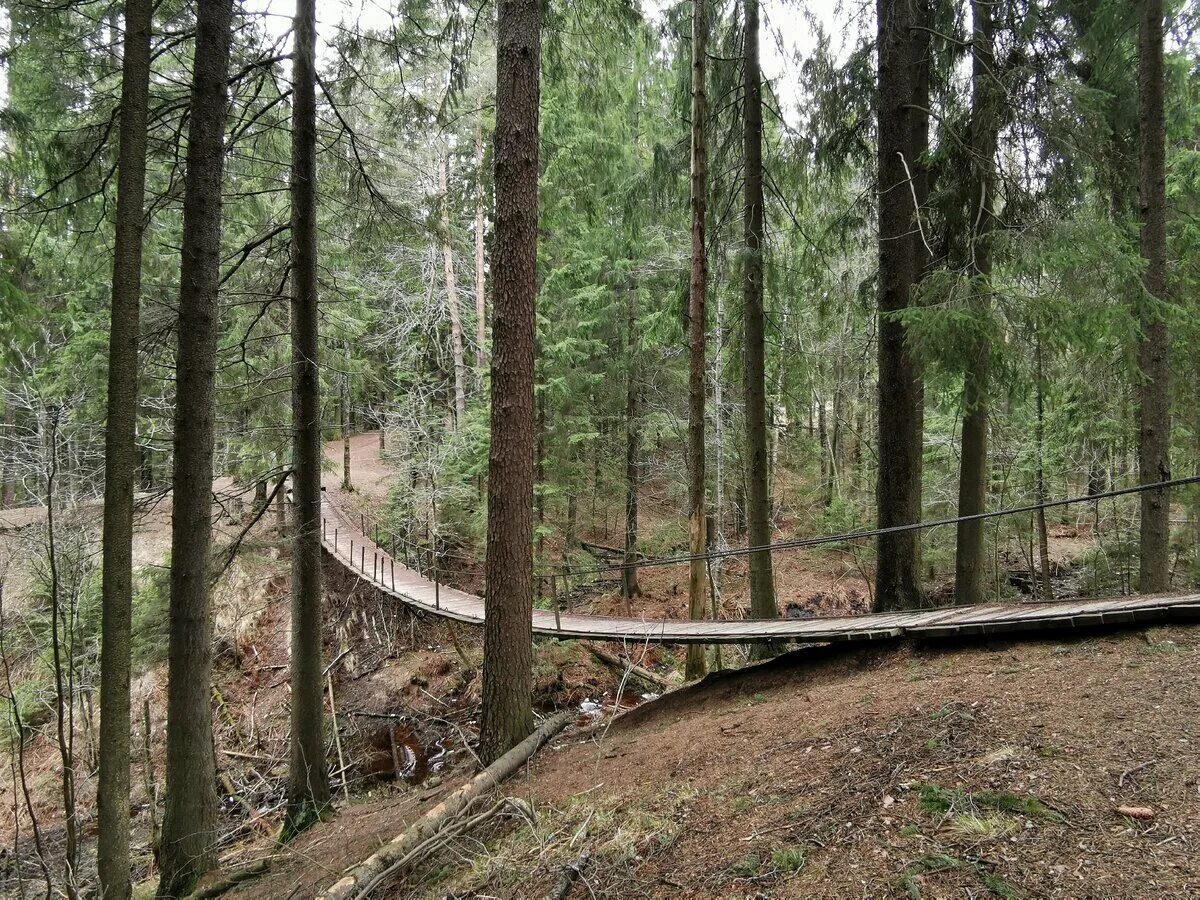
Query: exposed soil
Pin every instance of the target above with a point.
(994, 769)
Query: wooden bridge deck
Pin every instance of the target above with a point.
(359, 553)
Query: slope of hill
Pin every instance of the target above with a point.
(992, 769)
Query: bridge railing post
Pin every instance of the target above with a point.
(554, 600)
(393, 561)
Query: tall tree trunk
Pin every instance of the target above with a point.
(629, 581)
(189, 825)
(1043, 536)
(697, 539)
(898, 496)
(120, 462)
(1196, 471)
(344, 412)
(758, 513)
(456, 335)
(969, 567)
(507, 640)
(62, 645)
(480, 281)
(8, 481)
(308, 780)
(1154, 441)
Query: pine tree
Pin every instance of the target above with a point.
(308, 780)
(190, 820)
(758, 475)
(507, 715)
(898, 495)
(969, 566)
(120, 461)
(1154, 438)
(698, 539)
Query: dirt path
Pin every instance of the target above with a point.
(370, 475)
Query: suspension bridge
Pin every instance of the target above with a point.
(411, 575)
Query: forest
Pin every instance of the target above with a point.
(393, 389)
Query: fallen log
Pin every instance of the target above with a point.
(361, 877)
(571, 873)
(621, 665)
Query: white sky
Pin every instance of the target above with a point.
(787, 37)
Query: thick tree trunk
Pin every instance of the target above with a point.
(120, 463)
(308, 780)
(969, 567)
(480, 281)
(456, 335)
(697, 539)
(1154, 441)
(507, 716)
(189, 825)
(758, 512)
(898, 496)
(629, 581)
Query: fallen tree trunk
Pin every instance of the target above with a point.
(361, 877)
(622, 665)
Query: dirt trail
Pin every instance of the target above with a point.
(370, 475)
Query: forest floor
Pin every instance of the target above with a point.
(920, 770)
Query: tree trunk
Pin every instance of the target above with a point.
(697, 539)
(189, 826)
(758, 513)
(344, 409)
(1154, 439)
(898, 496)
(629, 581)
(308, 780)
(480, 282)
(8, 489)
(456, 335)
(969, 567)
(1043, 535)
(507, 715)
(120, 463)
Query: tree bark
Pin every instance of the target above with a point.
(758, 512)
(1043, 536)
(898, 496)
(456, 335)
(507, 715)
(480, 281)
(697, 539)
(969, 567)
(120, 462)
(629, 580)
(8, 487)
(1154, 439)
(344, 411)
(189, 826)
(308, 780)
